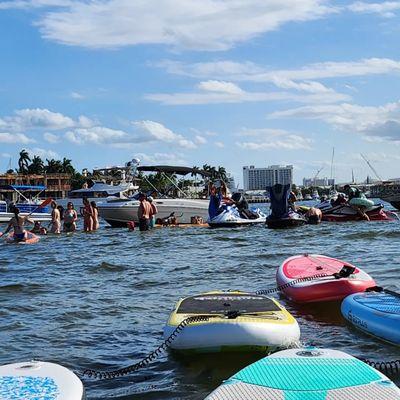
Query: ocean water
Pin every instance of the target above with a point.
(100, 300)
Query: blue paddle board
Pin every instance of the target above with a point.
(376, 313)
(37, 380)
(307, 374)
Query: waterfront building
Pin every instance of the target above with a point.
(308, 182)
(260, 178)
(57, 185)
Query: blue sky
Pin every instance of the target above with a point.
(220, 82)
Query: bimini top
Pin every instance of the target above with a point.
(170, 169)
(30, 188)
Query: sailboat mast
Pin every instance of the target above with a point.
(333, 156)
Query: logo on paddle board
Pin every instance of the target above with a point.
(356, 320)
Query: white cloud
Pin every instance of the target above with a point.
(384, 8)
(382, 121)
(219, 144)
(200, 139)
(77, 96)
(12, 138)
(212, 25)
(219, 97)
(266, 138)
(43, 153)
(161, 158)
(220, 87)
(27, 4)
(151, 130)
(6, 155)
(36, 118)
(51, 138)
(96, 135)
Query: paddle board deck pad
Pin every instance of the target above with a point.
(307, 374)
(326, 288)
(38, 380)
(31, 238)
(376, 313)
(237, 321)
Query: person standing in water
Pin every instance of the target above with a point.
(55, 219)
(70, 218)
(17, 223)
(87, 213)
(96, 224)
(153, 212)
(144, 212)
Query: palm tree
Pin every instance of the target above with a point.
(37, 166)
(23, 162)
(222, 173)
(67, 167)
(53, 167)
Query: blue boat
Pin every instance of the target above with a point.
(26, 203)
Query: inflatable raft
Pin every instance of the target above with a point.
(376, 313)
(307, 374)
(31, 238)
(37, 380)
(237, 321)
(348, 279)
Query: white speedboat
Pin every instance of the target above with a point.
(98, 192)
(26, 205)
(117, 212)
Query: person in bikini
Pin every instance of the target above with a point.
(17, 224)
(95, 216)
(55, 219)
(70, 218)
(87, 214)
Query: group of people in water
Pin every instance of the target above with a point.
(147, 212)
(62, 220)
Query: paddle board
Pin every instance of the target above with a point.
(38, 380)
(307, 374)
(326, 288)
(236, 321)
(31, 238)
(376, 313)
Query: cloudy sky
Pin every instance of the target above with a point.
(188, 82)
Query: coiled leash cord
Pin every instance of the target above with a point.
(387, 367)
(91, 373)
(345, 272)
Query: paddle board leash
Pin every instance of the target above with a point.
(387, 367)
(345, 272)
(91, 373)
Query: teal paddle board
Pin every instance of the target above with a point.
(307, 374)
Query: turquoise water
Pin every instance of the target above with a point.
(100, 300)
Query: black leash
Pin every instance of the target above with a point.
(91, 373)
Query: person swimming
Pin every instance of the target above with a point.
(87, 213)
(17, 223)
(70, 218)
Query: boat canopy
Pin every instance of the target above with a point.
(28, 188)
(170, 169)
(103, 188)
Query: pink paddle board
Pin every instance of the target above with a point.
(326, 288)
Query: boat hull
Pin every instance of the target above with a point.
(118, 213)
(42, 217)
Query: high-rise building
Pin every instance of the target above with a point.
(260, 178)
(307, 182)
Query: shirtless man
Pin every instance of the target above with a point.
(55, 219)
(17, 223)
(144, 212)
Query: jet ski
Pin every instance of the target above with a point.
(346, 212)
(282, 215)
(233, 212)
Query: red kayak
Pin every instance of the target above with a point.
(348, 280)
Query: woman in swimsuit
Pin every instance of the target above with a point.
(87, 214)
(55, 219)
(70, 218)
(96, 224)
(17, 223)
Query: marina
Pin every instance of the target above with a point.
(138, 292)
